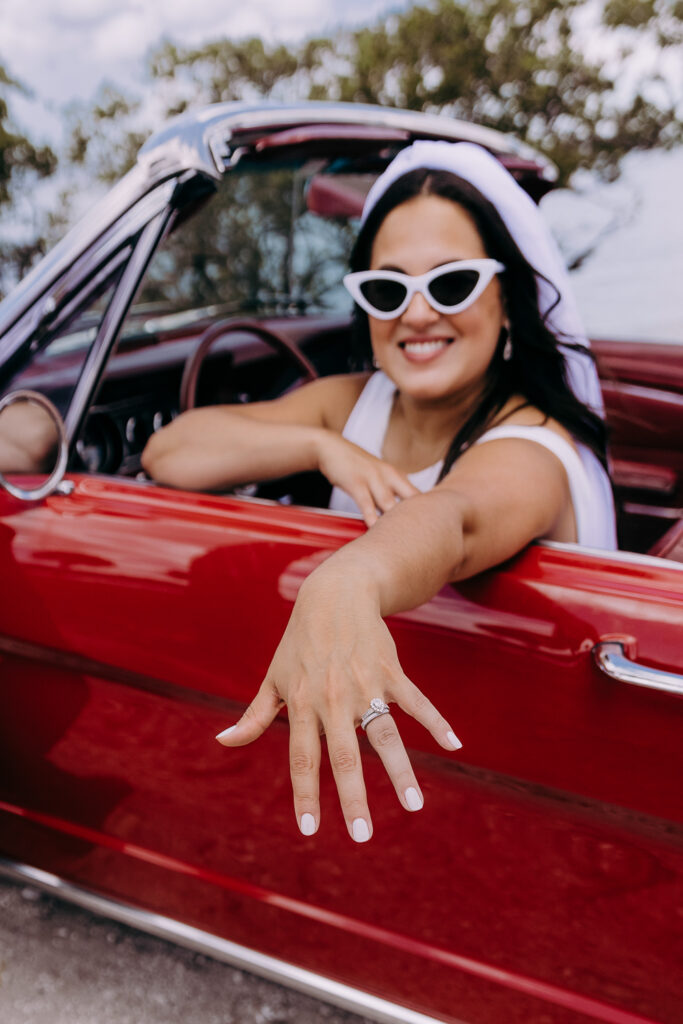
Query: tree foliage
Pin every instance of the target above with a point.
(19, 157)
(21, 162)
(89, 129)
(516, 65)
(549, 71)
(520, 66)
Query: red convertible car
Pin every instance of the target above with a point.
(543, 882)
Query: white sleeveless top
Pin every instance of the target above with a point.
(589, 485)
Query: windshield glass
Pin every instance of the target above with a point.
(274, 240)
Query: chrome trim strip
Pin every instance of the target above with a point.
(194, 138)
(118, 307)
(656, 511)
(661, 395)
(337, 994)
(60, 260)
(629, 557)
(610, 657)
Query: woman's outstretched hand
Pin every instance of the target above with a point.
(335, 656)
(374, 484)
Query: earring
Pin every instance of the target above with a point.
(507, 347)
(375, 363)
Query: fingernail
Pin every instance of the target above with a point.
(307, 824)
(224, 735)
(361, 832)
(413, 799)
(453, 740)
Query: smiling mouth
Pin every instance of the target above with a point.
(424, 349)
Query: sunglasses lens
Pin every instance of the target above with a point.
(384, 295)
(454, 287)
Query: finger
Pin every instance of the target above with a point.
(344, 754)
(402, 486)
(304, 768)
(414, 702)
(385, 738)
(255, 719)
(366, 504)
(383, 495)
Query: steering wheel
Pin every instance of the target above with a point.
(188, 385)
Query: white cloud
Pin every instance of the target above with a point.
(64, 51)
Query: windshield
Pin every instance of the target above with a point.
(274, 240)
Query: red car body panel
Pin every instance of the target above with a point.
(141, 621)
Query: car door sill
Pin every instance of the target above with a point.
(315, 985)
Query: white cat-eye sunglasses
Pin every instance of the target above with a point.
(386, 294)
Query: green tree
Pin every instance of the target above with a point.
(516, 65)
(21, 163)
(104, 135)
(521, 66)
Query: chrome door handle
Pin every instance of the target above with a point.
(610, 658)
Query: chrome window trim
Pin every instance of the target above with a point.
(107, 334)
(91, 241)
(199, 138)
(316, 985)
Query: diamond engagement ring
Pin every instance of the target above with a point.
(377, 707)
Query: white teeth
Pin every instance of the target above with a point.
(424, 347)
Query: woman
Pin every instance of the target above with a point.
(466, 445)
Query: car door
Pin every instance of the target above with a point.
(542, 879)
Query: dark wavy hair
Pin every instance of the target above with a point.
(537, 368)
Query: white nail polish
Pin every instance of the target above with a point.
(226, 732)
(361, 832)
(413, 799)
(307, 825)
(453, 740)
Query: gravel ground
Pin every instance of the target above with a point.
(62, 965)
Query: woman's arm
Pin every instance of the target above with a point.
(218, 447)
(337, 653)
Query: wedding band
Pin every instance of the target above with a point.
(377, 707)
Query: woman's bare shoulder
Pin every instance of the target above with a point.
(326, 402)
(518, 412)
(339, 395)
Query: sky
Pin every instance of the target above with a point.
(63, 49)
